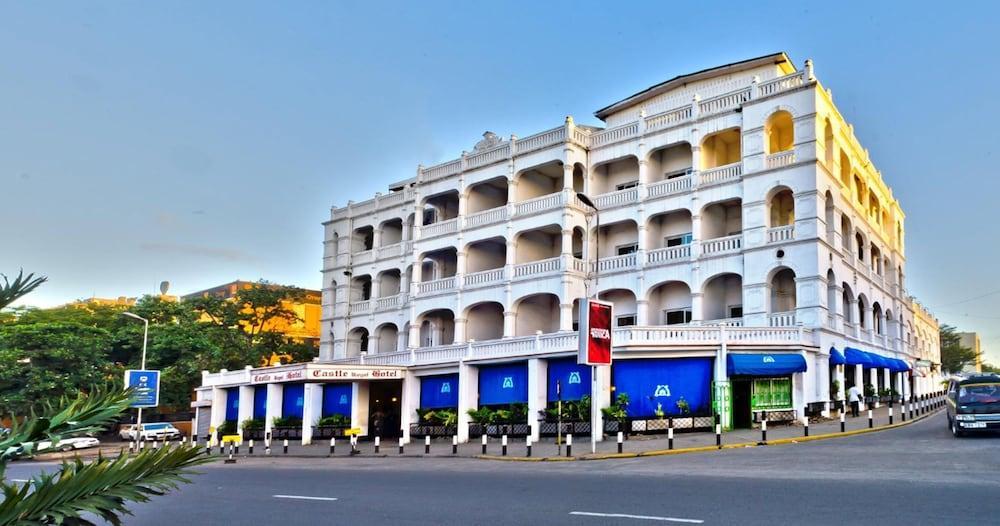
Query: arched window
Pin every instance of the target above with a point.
(780, 131)
(828, 143)
(782, 206)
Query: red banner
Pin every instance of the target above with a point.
(595, 332)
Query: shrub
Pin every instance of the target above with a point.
(337, 420)
(227, 428)
(253, 423)
(286, 421)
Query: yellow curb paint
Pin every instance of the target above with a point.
(702, 449)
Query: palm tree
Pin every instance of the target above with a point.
(99, 488)
(22, 285)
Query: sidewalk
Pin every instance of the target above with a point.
(516, 447)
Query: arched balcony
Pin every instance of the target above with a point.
(721, 157)
(783, 298)
(363, 239)
(388, 338)
(779, 131)
(722, 300)
(437, 271)
(539, 181)
(439, 213)
(845, 169)
(357, 342)
(828, 143)
(670, 170)
(625, 311)
(437, 327)
(615, 176)
(669, 237)
(845, 233)
(850, 310)
(391, 232)
(538, 312)
(484, 321)
(485, 261)
(618, 243)
(781, 215)
(669, 303)
(722, 227)
(538, 251)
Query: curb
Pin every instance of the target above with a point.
(702, 449)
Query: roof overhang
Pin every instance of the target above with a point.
(679, 81)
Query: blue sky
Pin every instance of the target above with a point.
(203, 142)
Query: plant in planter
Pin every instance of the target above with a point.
(582, 409)
(253, 424)
(659, 411)
(286, 421)
(683, 406)
(335, 420)
(869, 391)
(619, 410)
(482, 416)
(227, 428)
(835, 390)
(446, 417)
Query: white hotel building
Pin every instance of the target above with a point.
(746, 239)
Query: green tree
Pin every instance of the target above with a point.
(953, 355)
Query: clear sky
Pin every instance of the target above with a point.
(200, 142)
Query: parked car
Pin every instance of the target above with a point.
(974, 404)
(153, 431)
(69, 444)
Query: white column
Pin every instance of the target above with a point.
(275, 393)
(359, 406)
(312, 410)
(409, 402)
(601, 399)
(721, 378)
(509, 319)
(537, 394)
(245, 409)
(218, 411)
(697, 307)
(461, 330)
(468, 398)
(841, 377)
(873, 379)
(859, 380)
(808, 381)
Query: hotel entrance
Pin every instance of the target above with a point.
(385, 408)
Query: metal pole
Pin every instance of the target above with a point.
(142, 365)
(593, 410)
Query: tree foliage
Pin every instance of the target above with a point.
(953, 355)
(11, 291)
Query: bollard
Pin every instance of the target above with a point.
(222, 447)
(142, 445)
(569, 445)
(208, 448)
(251, 446)
(670, 433)
(400, 445)
(805, 426)
(267, 446)
(909, 405)
(763, 427)
(230, 460)
(902, 411)
(621, 438)
(284, 446)
(718, 431)
(890, 414)
(156, 444)
(237, 448)
(841, 421)
(354, 445)
(871, 422)
(427, 444)
(503, 445)
(378, 444)
(484, 443)
(131, 446)
(183, 440)
(454, 444)
(527, 442)
(333, 446)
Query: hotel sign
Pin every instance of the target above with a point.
(315, 372)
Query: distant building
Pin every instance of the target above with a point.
(971, 340)
(305, 329)
(120, 301)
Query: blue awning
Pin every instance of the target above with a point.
(503, 384)
(439, 391)
(879, 361)
(857, 357)
(898, 366)
(837, 357)
(337, 399)
(765, 364)
(573, 378)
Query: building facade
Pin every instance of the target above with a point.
(732, 217)
(972, 341)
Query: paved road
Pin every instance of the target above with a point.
(916, 474)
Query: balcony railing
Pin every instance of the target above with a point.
(364, 256)
(616, 263)
(437, 285)
(615, 134)
(779, 234)
(670, 186)
(484, 277)
(668, 255)
(724, 322)
(538, 267)
(448, 226)
(777, 160)
(486, 217)
(782, 319)
(391, 251)
(361, 307)
(539, 204)
(722, 245)
(390, 302)
(619, 198)
(722, 174)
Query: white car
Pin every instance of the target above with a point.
(68, 444)
(155, 431)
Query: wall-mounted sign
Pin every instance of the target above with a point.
(315, 372)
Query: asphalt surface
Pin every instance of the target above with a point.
(916, 474)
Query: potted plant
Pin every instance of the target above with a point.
(618, 412)
(286, 426)
(227, 428)
(683, 406)
(870, 394)
(835, 390)
(253, 428)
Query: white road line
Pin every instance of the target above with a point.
(302, 497)
(637, 517)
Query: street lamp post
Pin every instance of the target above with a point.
(142, 364)
(597, 275)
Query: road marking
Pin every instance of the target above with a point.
(302, 497)
(637, 517)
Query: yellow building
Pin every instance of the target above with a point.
(305, 328)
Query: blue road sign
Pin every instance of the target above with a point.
(146, 385)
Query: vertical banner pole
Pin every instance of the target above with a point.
(593, 409)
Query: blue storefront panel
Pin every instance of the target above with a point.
(260, 402)
(292, 400)
(664, 382)
(574, 379)
(503, 384)
(337, 399)
(439, 391)
(771, 364)
(232, 403)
